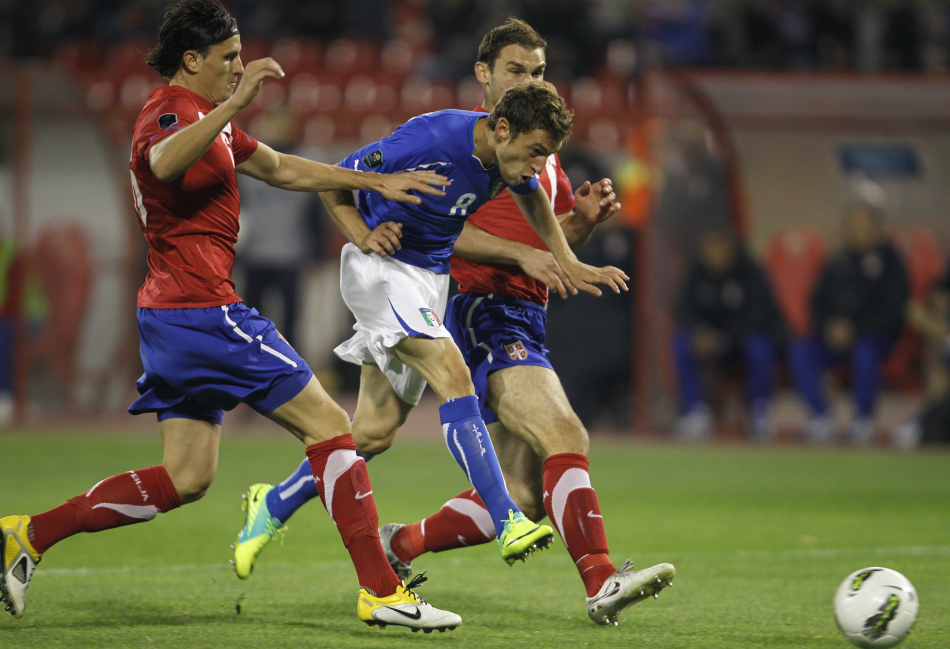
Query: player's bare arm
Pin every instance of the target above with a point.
(383, 239)
(537, 210)
(300, 174)
(176, 153)
(593, 204)
(475, 244)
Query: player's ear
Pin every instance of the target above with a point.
(482, 72)
(190, 62)
(502, 129)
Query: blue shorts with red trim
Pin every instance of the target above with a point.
(493, 333)
(201, 362)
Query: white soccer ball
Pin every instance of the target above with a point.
(876, 607)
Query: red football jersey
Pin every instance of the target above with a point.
(190, 223)
(502, 217)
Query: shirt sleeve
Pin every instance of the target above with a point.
(400, 151)
(564, 201)
(242, 144)
(164, 119)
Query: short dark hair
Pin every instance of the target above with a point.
(532, 105)
(189, 25)
(512, 32)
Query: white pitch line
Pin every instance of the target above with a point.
(191, 568)
(801, 553)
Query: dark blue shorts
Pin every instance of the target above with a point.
(201, 362)
(494, 333)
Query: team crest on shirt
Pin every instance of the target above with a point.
(496, 187)
(431, 317)
(374, 159)
(517, 351)
(168, 119)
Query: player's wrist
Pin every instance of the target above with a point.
(374, 181)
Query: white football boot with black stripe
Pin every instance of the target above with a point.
(404, 608)
(625, 588)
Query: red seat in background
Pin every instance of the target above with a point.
(794, 259)
(925, 267)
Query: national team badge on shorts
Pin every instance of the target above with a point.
(517, 351)
(431, 317)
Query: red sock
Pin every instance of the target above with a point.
(571, 504)
(344, 488)
(124, 499)
(462, 521)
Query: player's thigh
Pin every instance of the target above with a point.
(522, 468)
(440, 363)
(312, 416)
(190, 455)
(379, 412)
(530, 402)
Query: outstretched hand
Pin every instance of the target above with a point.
(254, 74)
(596, 202)
(541, 265)
(383, 239)
(585, 277)
(396, 187)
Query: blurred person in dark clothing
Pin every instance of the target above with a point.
(931, 318)
(727, 312)
(280, 232)
(858, 307)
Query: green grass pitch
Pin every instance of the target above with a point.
(760, 536)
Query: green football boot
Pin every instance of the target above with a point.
(259, 529)
(521, 537)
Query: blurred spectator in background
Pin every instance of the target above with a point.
(858, 313)
(280, 233)
(9, 296)
(870, 35)
(931, 317)
(674, 32)
(727, 312)
(597, 377)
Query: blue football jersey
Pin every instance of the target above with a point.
(443, 142)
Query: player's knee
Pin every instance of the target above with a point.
(192, 486)
(456, 382)
(376, 436)
(451, 379)
(370, 446)
(580, 438)
(334, 420)
(571, 436)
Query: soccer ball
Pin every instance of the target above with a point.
(876, 607)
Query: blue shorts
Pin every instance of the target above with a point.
(493, 333)
(201, 362)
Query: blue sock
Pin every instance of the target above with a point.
(467, 438)
(293, 493)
